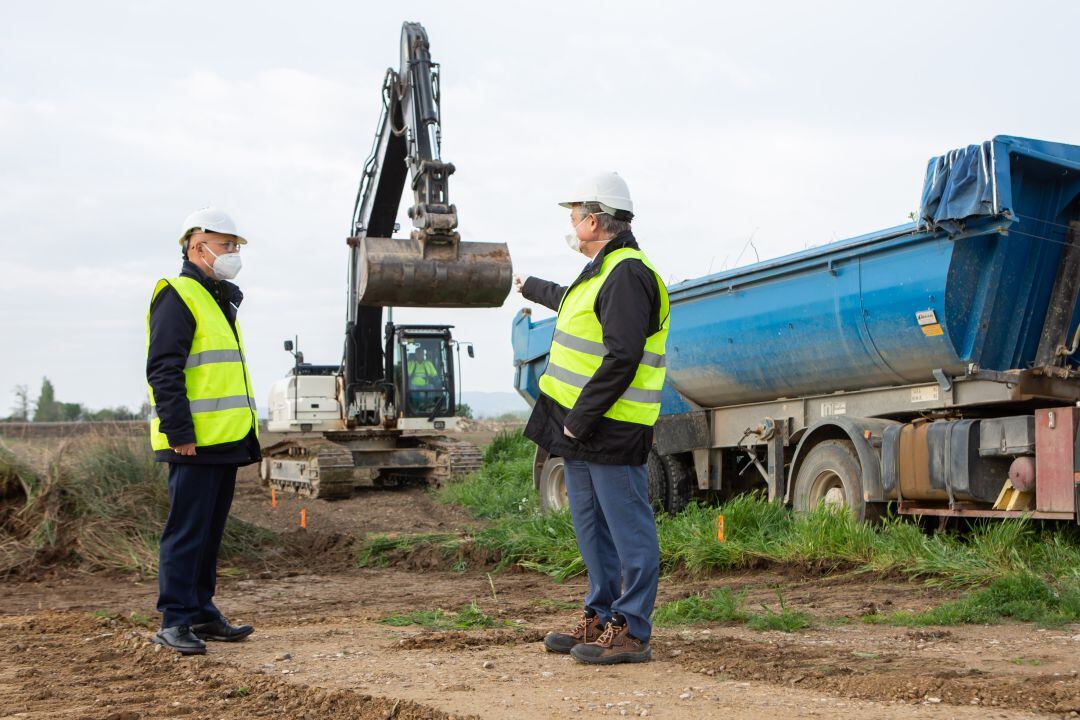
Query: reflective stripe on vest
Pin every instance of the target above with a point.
(215, 404)
(213, 356)
(219, 388)
(577, 349)
(598, 348)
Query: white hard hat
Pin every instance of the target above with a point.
(607, 189)
(210, 219)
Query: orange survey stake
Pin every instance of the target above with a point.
(719, 528)
(273, 497)
(303, 518)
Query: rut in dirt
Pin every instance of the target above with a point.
(888, 676)
(113, 672)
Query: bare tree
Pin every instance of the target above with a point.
(21, 411)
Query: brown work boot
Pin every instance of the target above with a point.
(588, 629)
(615, 645)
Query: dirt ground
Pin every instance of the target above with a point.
(75, 646)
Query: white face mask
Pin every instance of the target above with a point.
(572, 240)
(226, 266)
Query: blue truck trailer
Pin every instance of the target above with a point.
(932, 365)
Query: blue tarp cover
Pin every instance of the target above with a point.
(960, 185)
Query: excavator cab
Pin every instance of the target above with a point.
(423, 371)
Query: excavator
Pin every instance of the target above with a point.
(382, 417)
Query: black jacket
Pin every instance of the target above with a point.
(628, 307)
(172, 328)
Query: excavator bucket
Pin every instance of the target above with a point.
(418, 273)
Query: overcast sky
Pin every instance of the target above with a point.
(798, 123)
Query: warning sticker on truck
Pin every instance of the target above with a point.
(926, 317)
(928, 323)
(932, 330)
(931, 393)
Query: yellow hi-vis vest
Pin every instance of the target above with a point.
(577, 349)
(420, 372)
(216, 376)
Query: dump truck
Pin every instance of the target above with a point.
(382, 416)
(931, 366)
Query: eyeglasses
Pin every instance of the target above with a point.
(226, 245)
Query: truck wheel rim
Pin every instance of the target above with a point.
(828, 489)
(556, 488)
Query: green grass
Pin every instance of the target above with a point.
(495, 490)
(98, 501)
(503, 485)
(784, 619)
(509, 445)
(723, 605)
(1021, 597)
(720, 605)
(1036, 565)
(378, 548)
(469, 617)
(423, 618)
(544, 543)
(1034, 662)
(562, 605)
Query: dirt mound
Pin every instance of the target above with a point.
(468, 425)
(420, 558)
(133, 679)
(93, 503)
(411, 509)
(316, 553)
(460, 640)
(885, 676)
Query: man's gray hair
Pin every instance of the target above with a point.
(607, 221)
(185, 242)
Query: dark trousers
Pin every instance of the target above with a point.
(199, 501)
(616, 534)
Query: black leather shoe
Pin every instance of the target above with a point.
(222, 630)
(181, 639)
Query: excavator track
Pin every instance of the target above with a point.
(310, 468)
(328, 469)
(461, 459)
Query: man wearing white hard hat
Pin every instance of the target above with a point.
(203, 423)
(599, 398)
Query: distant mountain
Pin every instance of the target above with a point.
(493, 404)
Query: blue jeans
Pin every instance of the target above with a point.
(199, 500)
(616, 535)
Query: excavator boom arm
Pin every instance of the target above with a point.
(432, 267)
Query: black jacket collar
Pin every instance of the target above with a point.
(220, 290)
(625, 239)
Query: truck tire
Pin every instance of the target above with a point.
(551, 483)
(658, 482)
(664, 473)
(539, 458)
(552, 486)
(680, 483)
(831, 474)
